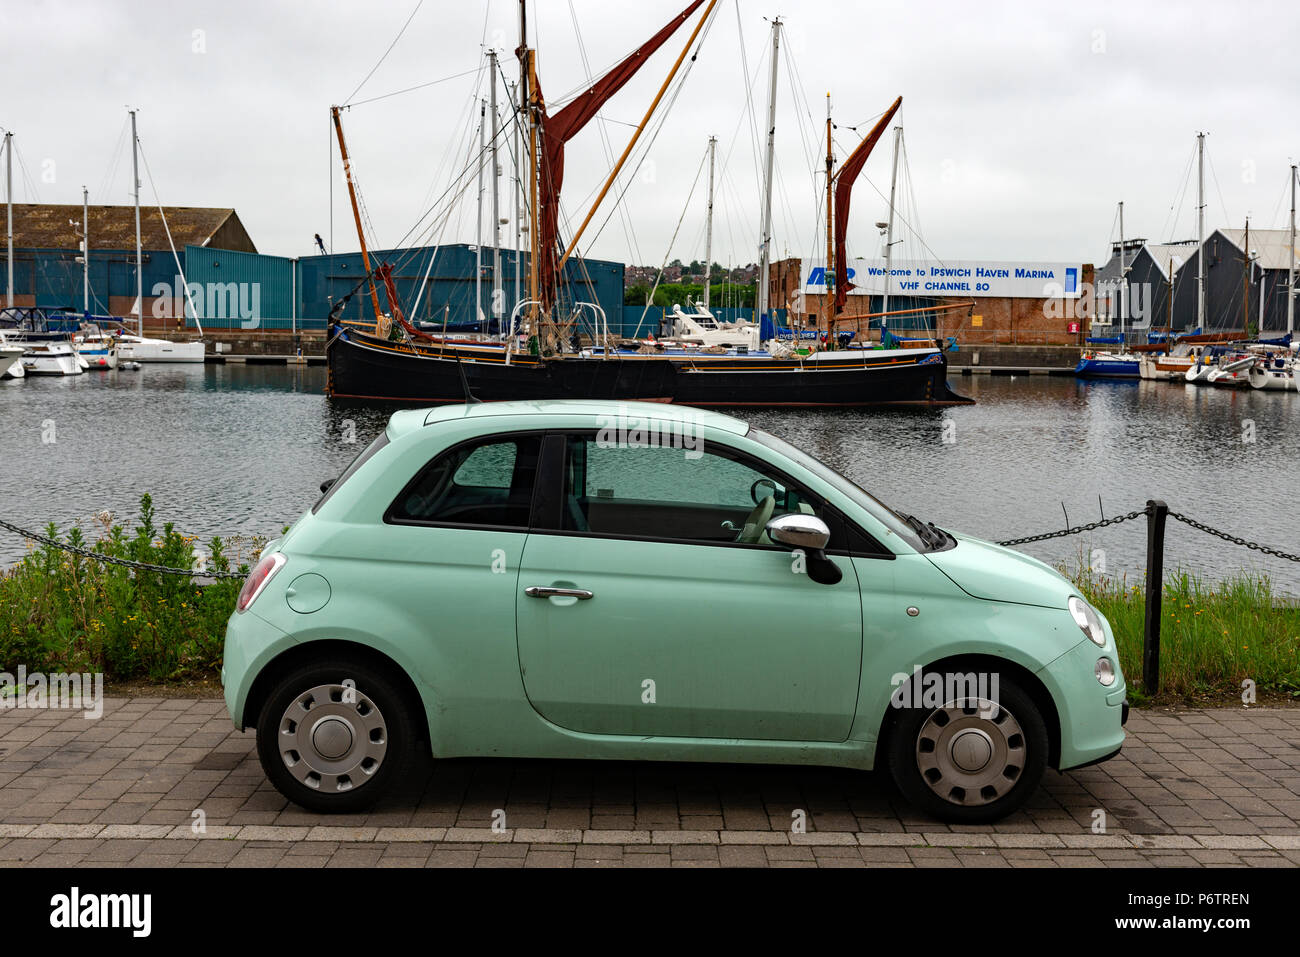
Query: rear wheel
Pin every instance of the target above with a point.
(334, 737)
(970, 761)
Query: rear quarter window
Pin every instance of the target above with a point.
(483, 483)
(362, 458)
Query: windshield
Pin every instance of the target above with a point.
(894, 522)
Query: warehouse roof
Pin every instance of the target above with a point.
(50, 226)
(1273, 246)
(1166, 253)
(1161, 254)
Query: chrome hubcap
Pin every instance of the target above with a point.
(332, 738)
(971, 753)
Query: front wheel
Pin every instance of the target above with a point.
(970, 761)
(334, 737)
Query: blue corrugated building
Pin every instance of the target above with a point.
(231, 285)
(47, 271)
(449, 292)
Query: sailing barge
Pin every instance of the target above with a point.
(404, 364)
(366, 367)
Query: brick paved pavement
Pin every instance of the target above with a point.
(1213, 787)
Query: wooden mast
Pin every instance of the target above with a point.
(528, 103)
(382, 324)
(828, 310)
(534, 279)
(761, 304)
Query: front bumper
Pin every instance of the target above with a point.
(1091, 715)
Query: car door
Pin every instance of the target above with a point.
(639, 613)
(447, 565)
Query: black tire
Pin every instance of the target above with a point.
(929, 772)
(356, 741)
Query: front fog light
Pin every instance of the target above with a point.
(1105, 672)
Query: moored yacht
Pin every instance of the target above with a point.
(146, 349)
(52, 358)
(1276, 373)
(1095, 364)
(11, 360)
(44, 351)
(96, 348)
(1232, 372)
(702, 328)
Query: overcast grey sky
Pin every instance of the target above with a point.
(1025, 122)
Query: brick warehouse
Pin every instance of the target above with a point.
(1023, 304)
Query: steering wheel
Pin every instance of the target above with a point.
(753, 489)
(756, 521)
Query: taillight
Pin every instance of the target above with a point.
(257, 580)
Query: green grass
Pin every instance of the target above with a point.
(1213, 636)
(61, 612)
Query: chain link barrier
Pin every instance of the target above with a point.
(111, 560)
(1179, 516)
(1077, 529)
(1234, 539)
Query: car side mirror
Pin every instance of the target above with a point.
(325, 485)
(809, 534)
(799, 531)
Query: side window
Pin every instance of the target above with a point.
(362, 457)
(488, 482)
(711, 495)
(488, 466)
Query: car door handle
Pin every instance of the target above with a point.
(547, 591)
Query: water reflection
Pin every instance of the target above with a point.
(240, 448)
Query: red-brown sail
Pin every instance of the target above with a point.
(556, 130)
(843, 191)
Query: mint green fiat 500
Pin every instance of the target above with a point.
(638, 581)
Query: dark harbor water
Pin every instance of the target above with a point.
(241, 450)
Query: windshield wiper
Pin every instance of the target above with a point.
(945, 538)
(927, 533)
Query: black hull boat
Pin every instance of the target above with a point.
(863, 377)
(367, 368)
(363, 366)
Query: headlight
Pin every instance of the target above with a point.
(1088, 620)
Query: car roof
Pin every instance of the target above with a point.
(599, 412)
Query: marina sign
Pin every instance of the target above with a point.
(979, 278)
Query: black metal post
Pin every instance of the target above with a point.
(1156, 513)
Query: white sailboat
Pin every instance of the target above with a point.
(133, 348)
(1279, 372)
(1274, 373)
(139, 347)
(96, 352)
(1232, 371)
